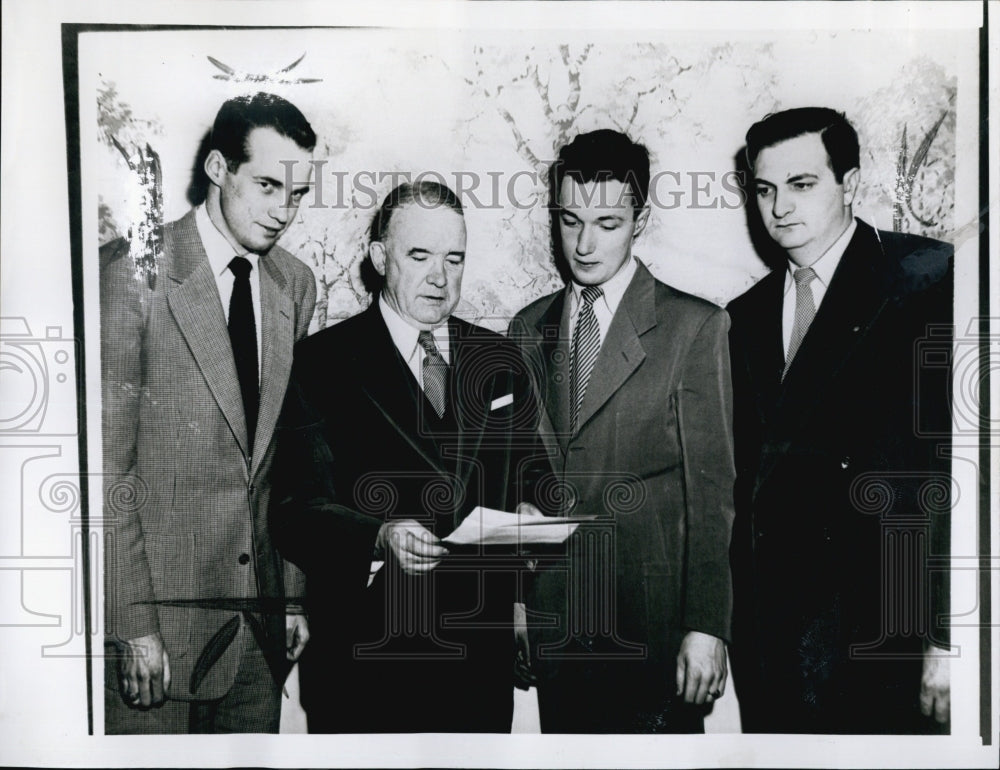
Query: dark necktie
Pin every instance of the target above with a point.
(805, 310)
(586, 346)
(243, 336)
(434, 373)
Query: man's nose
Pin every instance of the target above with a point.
(436, 274)
(281, 213)
(587, 241)
(783, 204)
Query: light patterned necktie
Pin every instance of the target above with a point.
(805, 310)
(586, 346)
(434, 373)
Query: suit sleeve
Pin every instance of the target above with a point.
(705, 419)
(305, 304)
(124, 303)
(310, 525)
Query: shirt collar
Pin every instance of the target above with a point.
(826, 265)
(404, 336)
(614, 288)
(219, 250)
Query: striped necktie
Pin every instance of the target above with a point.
(805, 310)
(434, 373)
(586, 346)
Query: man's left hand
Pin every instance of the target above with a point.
(935, 685)
(296, 636)
(701, 668)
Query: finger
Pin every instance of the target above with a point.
(301, 637)
(419, 568)
(693, 685)
(145, 695)
(681, 674)
(527, 509)
(166, 674)
(942, 709)
(156, 687)
(926, 702)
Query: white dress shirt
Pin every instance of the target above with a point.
(605, 305)
(825, 267)
(404, 337)
(220, 253)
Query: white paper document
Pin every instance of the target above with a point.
(486, 526)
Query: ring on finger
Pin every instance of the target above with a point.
(716, 694)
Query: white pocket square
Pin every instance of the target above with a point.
(497, 403)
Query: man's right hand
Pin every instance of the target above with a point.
(416, 548)
(144, 671)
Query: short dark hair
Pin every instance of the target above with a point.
(425, 193)
(599, 156)
(838, 135)
(239, 116)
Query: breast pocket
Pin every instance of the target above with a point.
(171, 567)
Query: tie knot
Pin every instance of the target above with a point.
(804, 276)
(240, 266)
(590, 294)
(426, 340)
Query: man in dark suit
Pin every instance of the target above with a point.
(841, 495)
(398, 423)
(195, 359)
(628, 632)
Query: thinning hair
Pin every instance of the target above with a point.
(427, 194)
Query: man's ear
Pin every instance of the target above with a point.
(640, 221)
(376, 252)
(851, 180)
(216, 167)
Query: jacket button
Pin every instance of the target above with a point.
(252, 489)
(244, 558)
(845, 462)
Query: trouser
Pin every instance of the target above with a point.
(252, 705)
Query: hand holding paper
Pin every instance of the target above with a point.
(486, 526)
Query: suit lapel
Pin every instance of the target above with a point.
(277, 341)
(765, 354)
(857, 295)
(552, 350)
(388, 382)
(193, 297)
(621, 352)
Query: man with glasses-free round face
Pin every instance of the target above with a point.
(839, 608)
(627, 635)
(399, 422)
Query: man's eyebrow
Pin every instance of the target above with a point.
(270, 180)
(417, 250)
(804, 176)
(605, 217)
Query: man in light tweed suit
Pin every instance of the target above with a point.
(196, 354)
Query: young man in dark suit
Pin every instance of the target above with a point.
(195, 358)
(399, 422)
(628, 633)
(841, 494)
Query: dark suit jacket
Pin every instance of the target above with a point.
(361, 445)
(653, 461)
(842, 496)
(185, 505)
